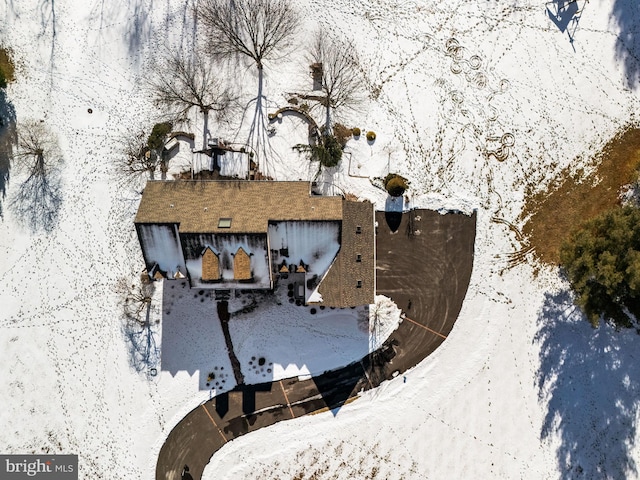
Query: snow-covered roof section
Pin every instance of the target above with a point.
(198, 205)
(306, 247)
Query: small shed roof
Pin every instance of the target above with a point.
(198, 206)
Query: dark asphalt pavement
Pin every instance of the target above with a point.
(424, 261)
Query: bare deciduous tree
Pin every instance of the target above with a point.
(136, 299)
(182, 83)
(256, 30)
(38, 157)
(340, 80)
(138, 328)
(37, 150)
(135, 161)
(142, 154)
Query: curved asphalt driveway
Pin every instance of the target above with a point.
(424, 262)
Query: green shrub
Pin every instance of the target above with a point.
(355, 132)
(395, 184)
(371, 136)
(7, 68)
(158, 135)
(602, 261)
(327, 151)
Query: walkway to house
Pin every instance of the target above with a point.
(424, 265)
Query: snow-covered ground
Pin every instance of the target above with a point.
(292, 340)
(477, 103)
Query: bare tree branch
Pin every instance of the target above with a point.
(138, 328)
(136, 298)
(181, 84)
(341, 80)
(37, 151)
(258, 29)
(135, 162)
(39, 158)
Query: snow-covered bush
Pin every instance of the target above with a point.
(395, 184)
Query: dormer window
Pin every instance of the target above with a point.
(210, 265)
(358, 229)
(359, 284)
(358, 258)
(224, 223)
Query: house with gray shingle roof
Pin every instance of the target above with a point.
(238, 234)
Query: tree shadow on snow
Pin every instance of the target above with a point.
(140, 27)
(589, 381)
(37, 201)
(625, 13)
(10, 10)
(48, 20)
(8, 139)
(144, 351)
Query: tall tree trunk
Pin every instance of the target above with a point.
(205, 131)
(257, 130)
(327, 120)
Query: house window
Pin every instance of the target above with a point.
(241, 265)
(359, 284)
(358, 229)
(210, 266)
(224, 223)
(358, 257)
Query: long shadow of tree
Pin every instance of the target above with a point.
(36, 202)
(625, 13)
(254, 33)
(10, 9)
(137, 18)
(258, 138)
(589, 381)
(140, 26)
(48, 20)
(8, 139)
(138, 328)
(144, 351)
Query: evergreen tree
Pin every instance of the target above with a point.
(602, 262)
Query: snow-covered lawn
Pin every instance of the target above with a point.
(293, 341)
(478, 104)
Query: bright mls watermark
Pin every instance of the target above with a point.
(50, 467)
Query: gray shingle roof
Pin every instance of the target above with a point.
(199, 205)
(339, 287)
